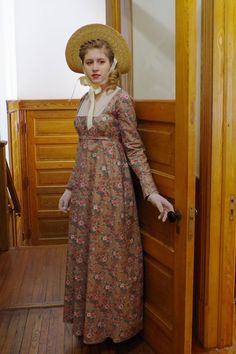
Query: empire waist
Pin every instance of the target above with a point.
(106, 138)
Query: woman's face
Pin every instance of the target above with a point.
(97, 65)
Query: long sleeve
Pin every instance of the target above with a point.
(133, 144)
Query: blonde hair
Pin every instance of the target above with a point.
(114, 76)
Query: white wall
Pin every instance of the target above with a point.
(7, 61)
(154, 49)
(42, 30)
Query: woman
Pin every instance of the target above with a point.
(104, 277)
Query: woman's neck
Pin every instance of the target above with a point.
(104, 86)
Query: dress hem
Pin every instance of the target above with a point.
(116, 341)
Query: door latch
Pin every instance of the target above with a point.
(192, 213)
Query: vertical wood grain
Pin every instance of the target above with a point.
(15, 132)
(227, 244)
(217, 176)
(113, 14)
(119, 16)
(126, 23)
(185, 169)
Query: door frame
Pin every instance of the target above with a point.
(217, 188)
(119, 16)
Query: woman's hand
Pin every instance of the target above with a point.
(64, 202)
(162, 204)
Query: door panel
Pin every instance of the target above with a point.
(156, 122)
(158, 238)
(52, 141)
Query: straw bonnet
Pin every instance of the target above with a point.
(97, 31)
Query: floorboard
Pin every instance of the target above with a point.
(42, 331)
(32, 275)
(31, 307)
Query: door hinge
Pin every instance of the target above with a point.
(191, 218)
(231, 207)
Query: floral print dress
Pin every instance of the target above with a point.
(104, 275)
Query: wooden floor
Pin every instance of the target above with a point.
(31, 307)
(32, 276)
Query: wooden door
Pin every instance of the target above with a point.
(42, 152)
(51, 146)
(168, 132)
(156, 120)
